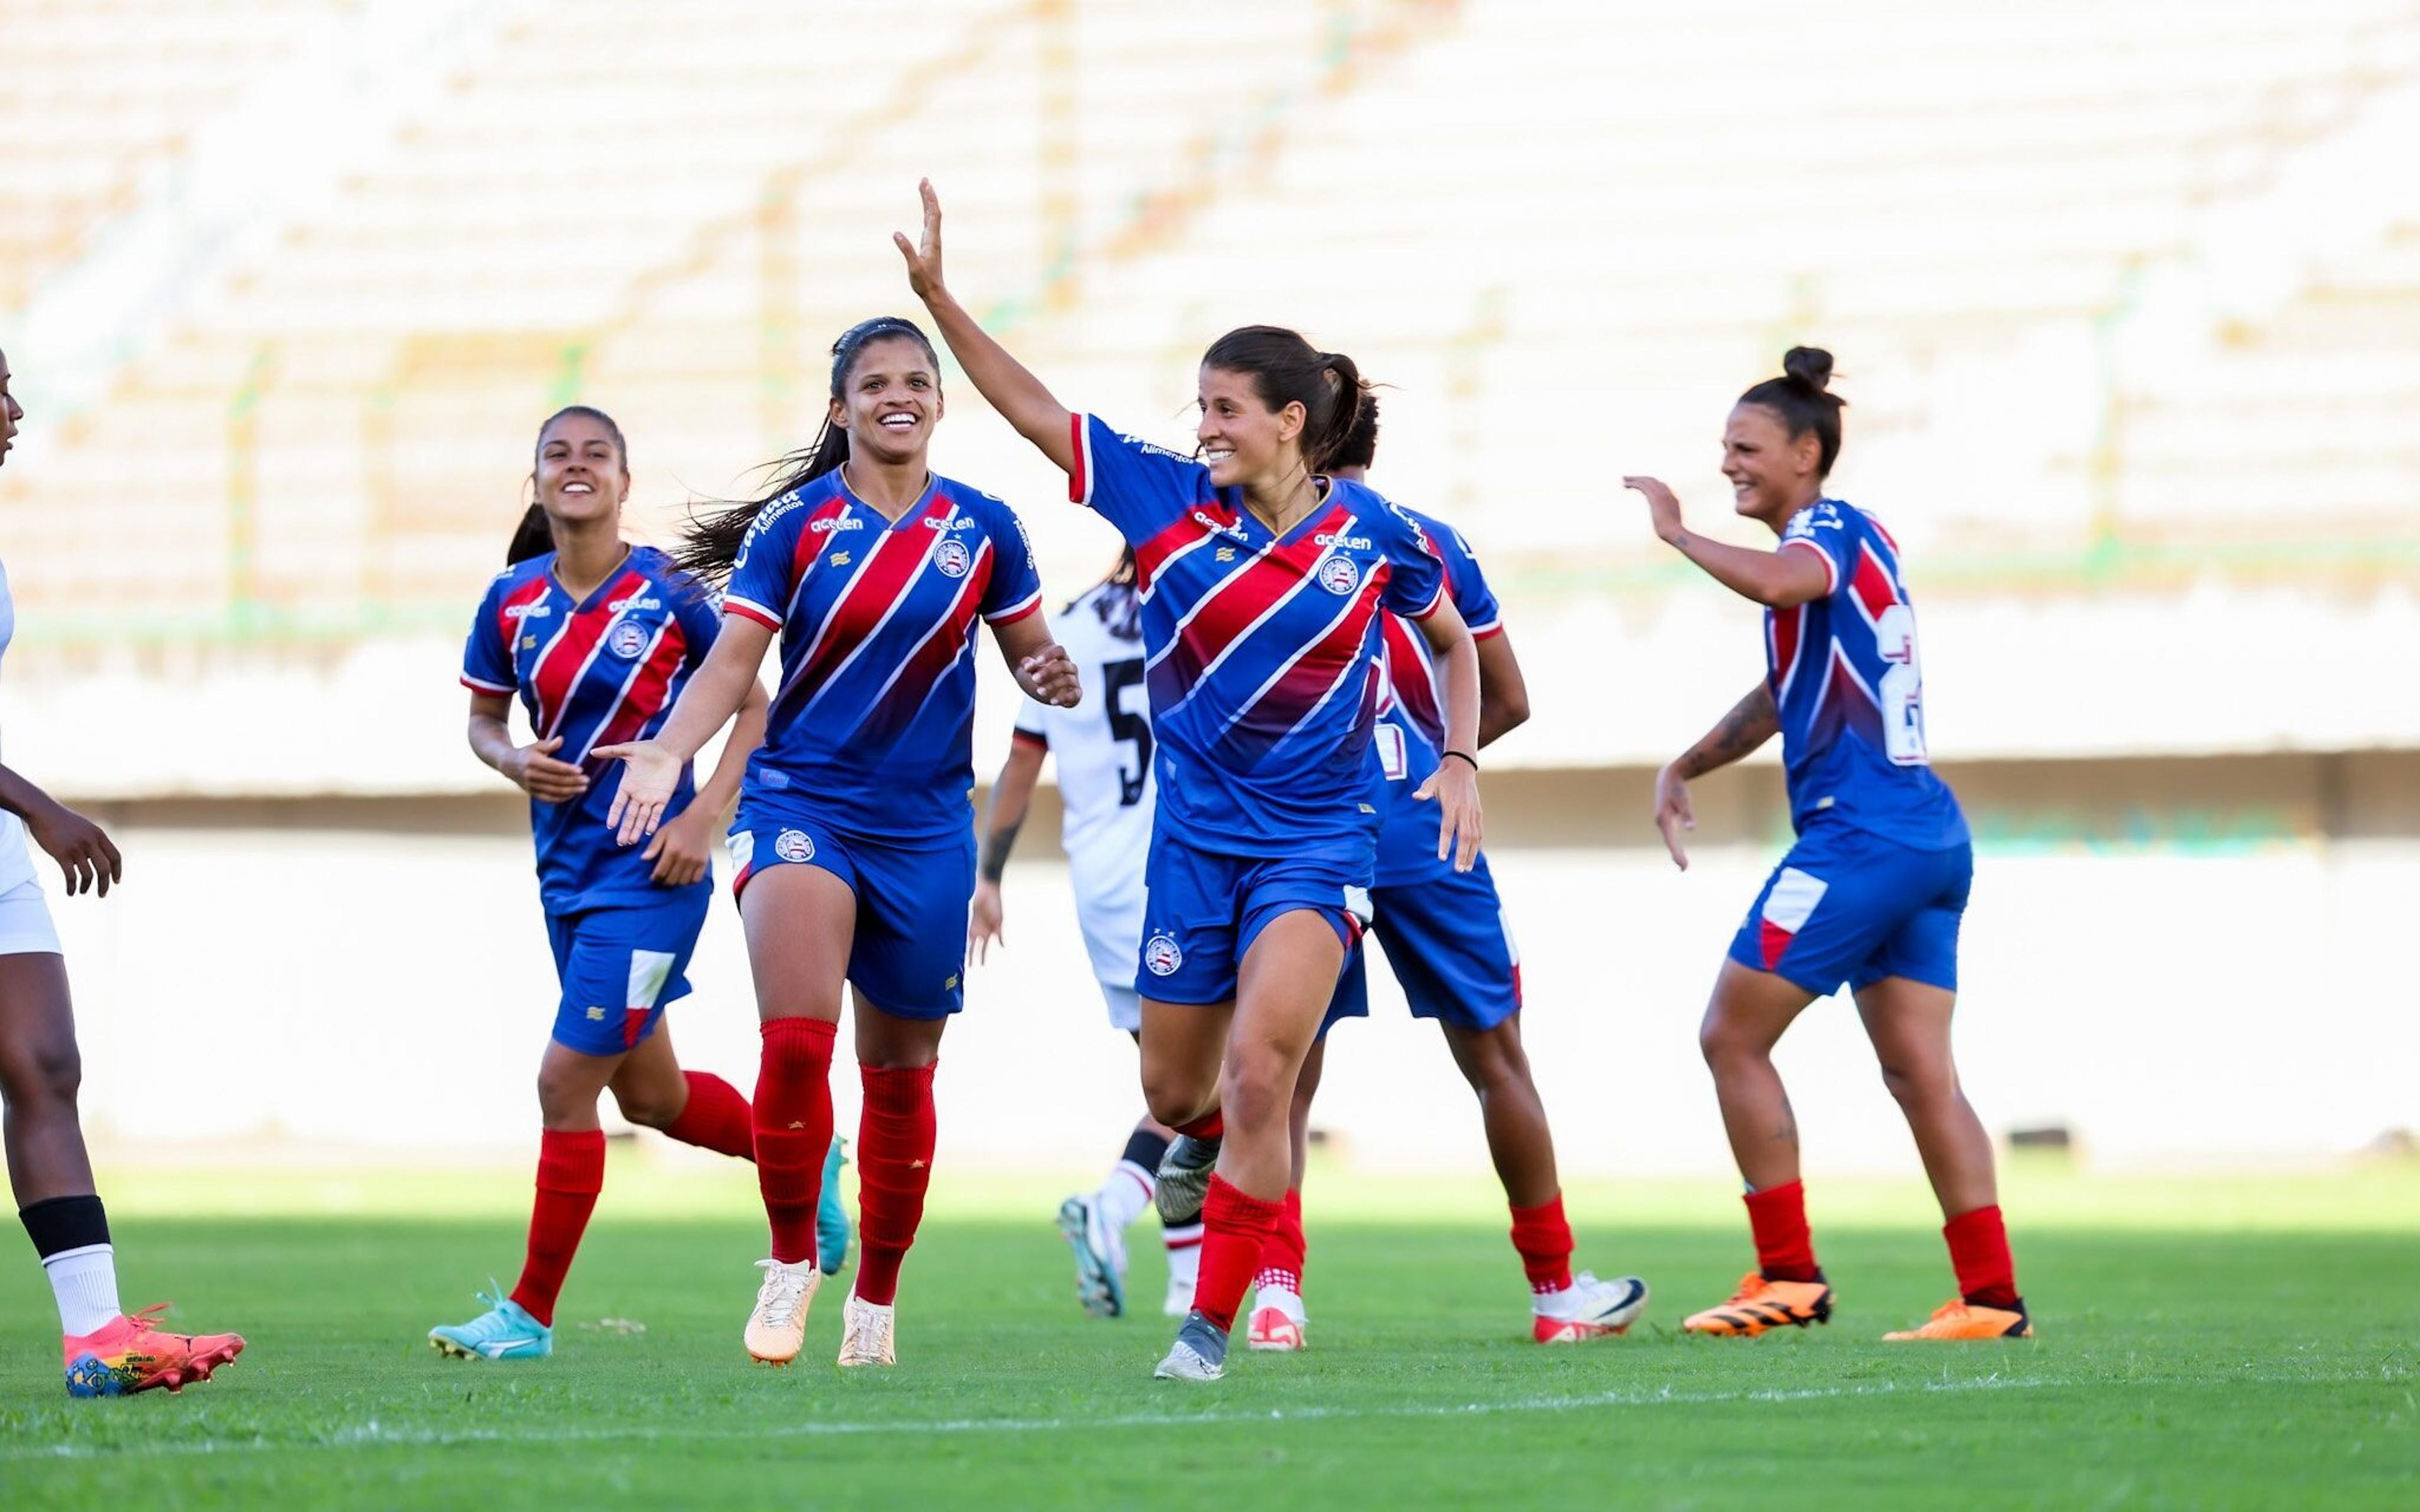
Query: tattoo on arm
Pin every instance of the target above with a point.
(1751, 722)
(1001, 841)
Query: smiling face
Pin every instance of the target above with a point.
(890, 400)
(11, 415)
(1243, 439)
(581, 474)
(1772, 475)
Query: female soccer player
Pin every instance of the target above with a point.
(1263, 589)
(106, 1352)
(1103, 748)
(596, 637)
(1871, 893)
(1450, 949)
(855, 838)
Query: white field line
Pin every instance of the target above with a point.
(376, 1435)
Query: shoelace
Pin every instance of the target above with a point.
(147, 1321)
(491, 1322)
(869, 1332)
(785, 1292)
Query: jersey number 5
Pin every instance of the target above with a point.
(1126, 724)
(1902, 687)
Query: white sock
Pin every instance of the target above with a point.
(1125, 1194)
(84, 1283)
(1184, 1254)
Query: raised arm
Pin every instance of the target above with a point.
(1751, 722)
(713, 694)
(1016, 392)
(1778, 580)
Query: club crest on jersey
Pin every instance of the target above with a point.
(1161, 956)
(794, 845)
(628, 639)
(952, 557)
(1340, 574)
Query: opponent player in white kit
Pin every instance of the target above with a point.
(1103, 748)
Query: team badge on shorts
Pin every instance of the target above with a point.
(794, 845)
(628, 639)
(952, 557)
(1160, 956)
(1340, 574)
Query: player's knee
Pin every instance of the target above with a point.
(1494, 1062)
(1258, 1088)
(1174, 1096)
(1723, 1045)
(1919, 1084)
(40, 1077)
(650, 1107)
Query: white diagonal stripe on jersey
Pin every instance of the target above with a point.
(594, 652)
(1253, 558)
(949, 609)
(538, 667)
(1311, 575)
(1352, 602)
(1180, 554)
(906, 587)
(839, 601)
(622, 694)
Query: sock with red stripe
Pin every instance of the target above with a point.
(1978, 1249)
(570, 1173)
(1283, 1252)
(895, 1165)
(1785, 1251)
(714, 1117)
(1543, 1236)
(1211, 1125)
(1235, 1226)
(1127, 1192)
(793, 1127)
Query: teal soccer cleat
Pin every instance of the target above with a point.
(503, 1331)
(831, 1215)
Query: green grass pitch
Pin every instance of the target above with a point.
(2205, 1342)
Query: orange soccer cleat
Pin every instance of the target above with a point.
(1761, 1303)
(130, 1354)
(1968, 1321)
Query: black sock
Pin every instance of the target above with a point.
(1145, 1149)
(58, 1225)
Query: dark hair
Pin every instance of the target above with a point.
(712, 541)
(1800, 396)
(1285, 369)
(533, 536)
(1360, 447)
(1121, 611)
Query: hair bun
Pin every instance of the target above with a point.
(1810, 365)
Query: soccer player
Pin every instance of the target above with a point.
(1263, 589)
(1451, 950)
(106, 1352)
(855, 837)
(1103, 749)
(595, 637)
(1872, 892)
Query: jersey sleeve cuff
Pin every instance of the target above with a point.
(749, 609)
(1080, 442)
(1022, 737)
(1427, 611)
(1015, 612)
(1831, 568)
(480, 684)
(1493, 627)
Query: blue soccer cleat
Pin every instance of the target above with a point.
(503, 1331)
(831, 1215)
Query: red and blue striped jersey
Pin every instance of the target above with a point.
(877, 705)
(1410, 734)
(1262, 652)
(1849, 688)
(595, 671)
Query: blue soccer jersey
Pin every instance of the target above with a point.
(595, 671)
(875, 716)
(1849, 690)
(1410, 735)
(1262, 650)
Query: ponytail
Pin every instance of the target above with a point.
(532, 537)
(1802, 400)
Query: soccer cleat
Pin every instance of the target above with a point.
(503, 1331)
(1760, 1303)
(1183, 1181)
(1200, 1353)
(1969, 1320)
(778, 1327)
(1279, 1322)
(1100, 1257)
(831, 1215)
(1586, 1309)
(127, 1354)
(865, 1333)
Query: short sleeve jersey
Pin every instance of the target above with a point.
(594, 672)
(1410, 734)
(1103, 748)
(873, 719)
(1849, 688)
(1262, 651)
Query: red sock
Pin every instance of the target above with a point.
(793, 1119)
(1211, 1125)
(1282, 1253)
(1543, 1236)
(895, 1165)
(1235, 1226)
(1784, 1250)
(1978, 1248)
(716, 1118)
(570, 1173)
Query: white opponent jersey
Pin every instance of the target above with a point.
(1103, 749)
(16, 858)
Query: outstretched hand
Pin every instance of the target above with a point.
(923, 259)
(1674, 813)
(1455, 787)
(650, 775)
(1663, 506)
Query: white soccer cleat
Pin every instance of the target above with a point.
(865, 1333)
(1586, 1309)
(778, 1327)
(1100, 1257)
(1279, 1322)
(1200, 1353)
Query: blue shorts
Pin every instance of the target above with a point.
(1450, 949)
(1202, 912)
(1846, 905)
(621, 964)
(909, 953)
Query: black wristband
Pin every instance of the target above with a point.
(1466, 756)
